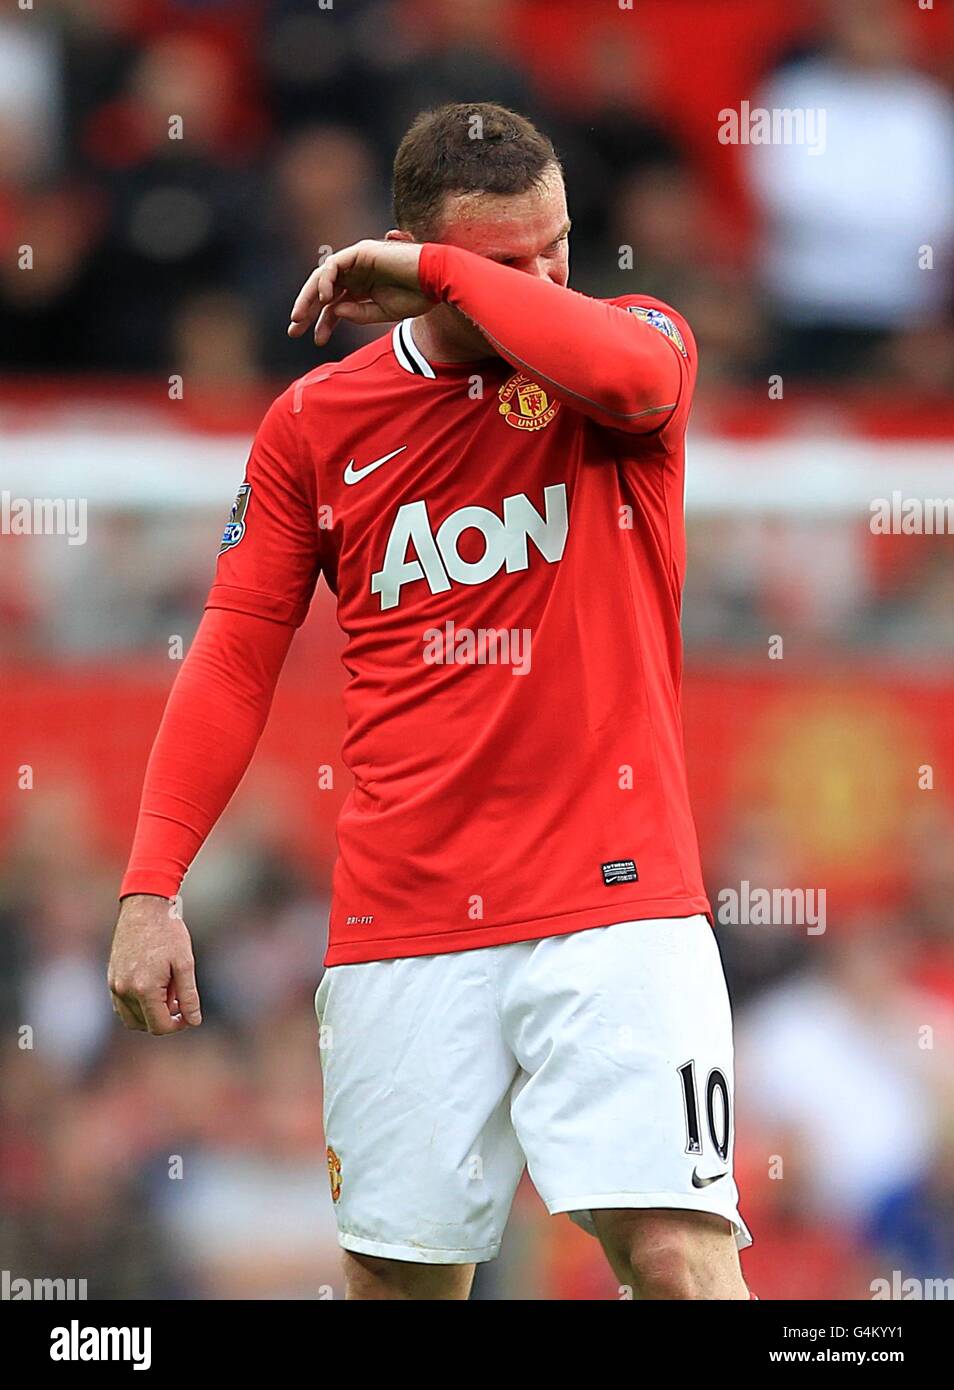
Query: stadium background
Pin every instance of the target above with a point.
(157, 260)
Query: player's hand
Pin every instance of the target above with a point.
(369, 282)
(151, 973)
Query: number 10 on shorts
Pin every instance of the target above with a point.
(718, 1117)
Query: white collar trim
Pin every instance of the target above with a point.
(408, 353)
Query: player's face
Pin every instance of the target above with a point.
(528, 231)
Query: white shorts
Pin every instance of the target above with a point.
(601, 1060)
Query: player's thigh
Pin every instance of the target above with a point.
(369, 1278)
(625, 1035)
(422, 1156)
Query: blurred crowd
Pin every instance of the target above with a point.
(194, 1167)
(178, 167)
(162, 1172)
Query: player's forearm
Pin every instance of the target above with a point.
(209, 731)
(594, 356)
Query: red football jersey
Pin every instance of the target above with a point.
(508, 576)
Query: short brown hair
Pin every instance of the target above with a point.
(475, 147)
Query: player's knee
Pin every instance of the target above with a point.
(666, 1268)
(370, 1277)
(666, 1252)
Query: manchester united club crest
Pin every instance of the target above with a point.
(524, 404)
(334, 1173)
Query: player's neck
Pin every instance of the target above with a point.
(446, 335)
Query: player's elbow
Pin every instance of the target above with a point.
(640, 383)
(634, 401)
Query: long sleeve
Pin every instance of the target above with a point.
(212, 723)
(627, 370)
(269, 562)
(266, 571)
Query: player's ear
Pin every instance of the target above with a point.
(395, 234)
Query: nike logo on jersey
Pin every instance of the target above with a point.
(354, 475)
(704, 1182)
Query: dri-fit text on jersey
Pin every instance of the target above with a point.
(438, 558)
